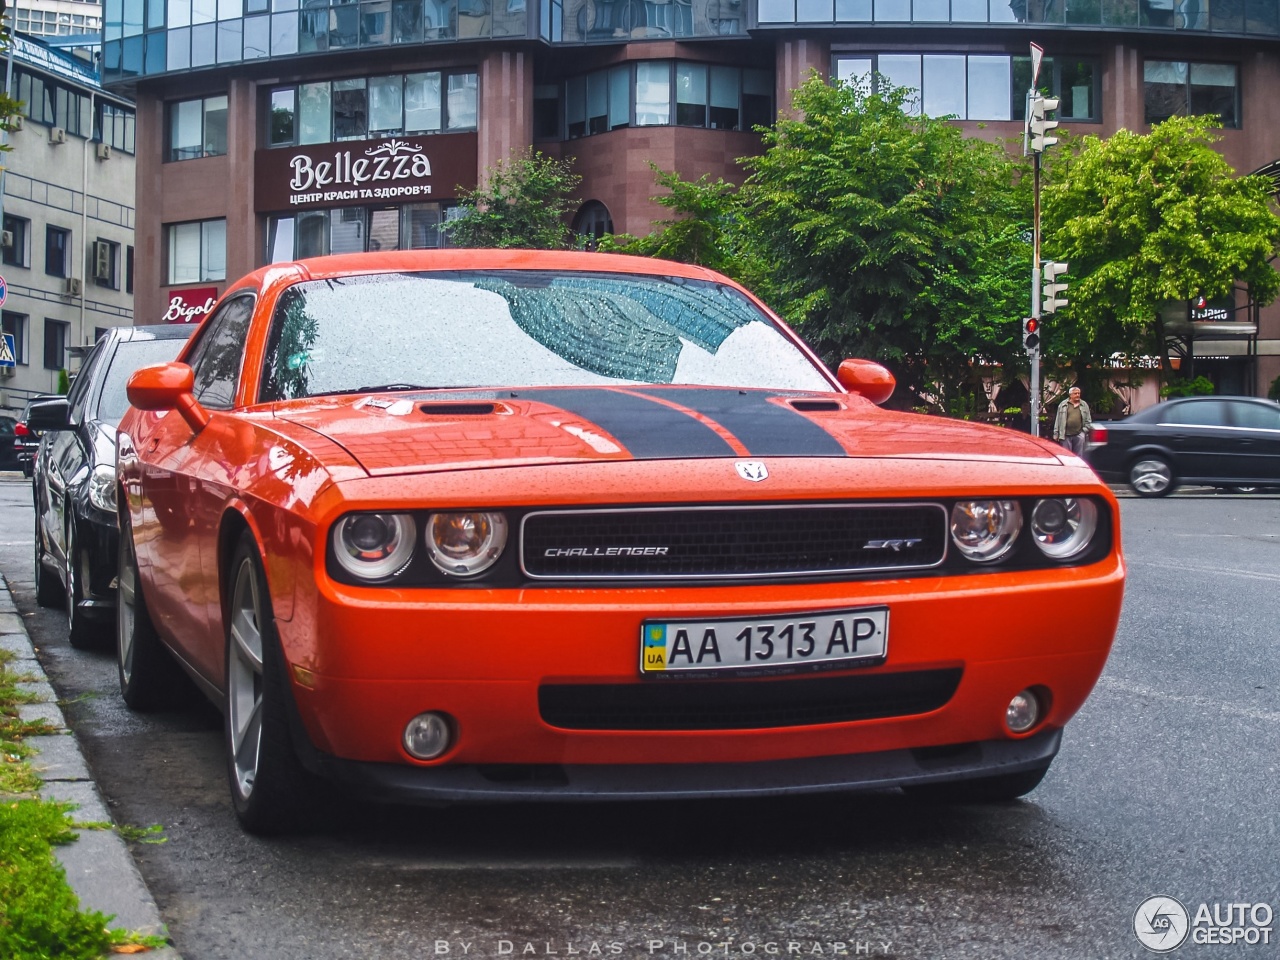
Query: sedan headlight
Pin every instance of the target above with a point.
(985, 530)
(465, 544)
(102, 488)
(1063, 527)
(374, 546)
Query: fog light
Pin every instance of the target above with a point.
(1023, 712)
(427, 736)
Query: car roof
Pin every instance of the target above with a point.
(158, 331)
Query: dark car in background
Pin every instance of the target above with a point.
(1204, 441)
(26, 439)
(76, 537)
(8, 455)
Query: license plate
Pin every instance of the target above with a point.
(773, 644)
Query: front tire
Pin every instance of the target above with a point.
(84, 634)
(268, 783)
(149, 676)
(1152, 476)
(48, 590)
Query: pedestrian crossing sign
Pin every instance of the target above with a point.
(7, 358)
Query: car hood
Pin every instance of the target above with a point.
(389, 434)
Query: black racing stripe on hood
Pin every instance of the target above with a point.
(648, 429)
(766, 429)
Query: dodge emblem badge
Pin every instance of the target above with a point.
(753, 470)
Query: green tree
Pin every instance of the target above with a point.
(1146, 219)
(522, 202)
(875, 232)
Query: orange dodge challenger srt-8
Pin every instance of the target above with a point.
(489, 525)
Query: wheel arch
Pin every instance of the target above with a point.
(239, 518)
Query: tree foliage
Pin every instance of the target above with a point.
(875, 232)
(523, 202)
(1146, 219)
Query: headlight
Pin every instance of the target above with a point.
(1063, 527)
(374, 546)
(102, 488)
(465, 544)
(985, 530)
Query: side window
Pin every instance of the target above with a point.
(1255, 416)
(1198, 413)
(79, 395)
(217, 356)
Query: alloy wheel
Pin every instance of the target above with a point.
(244, 678)
(1151, 477)
(126, 610)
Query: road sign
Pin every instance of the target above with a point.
(7, 356)
(1037, 54)
(4, 290)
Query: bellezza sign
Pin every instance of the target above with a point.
(364, 172)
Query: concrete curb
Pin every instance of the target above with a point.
(99, 866)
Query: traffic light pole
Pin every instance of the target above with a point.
(1033, 356)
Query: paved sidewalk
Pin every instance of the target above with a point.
(99, 865)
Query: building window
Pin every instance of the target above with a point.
(976, 86)
(48, 102)
(128, 270)
(55, 344)
(105, 263)
(592, 221)
(197, 251)
(316, 233)
(17, 230)
(198, 128)
(15, 325)
(652, 93)
(56, 244)
(116, 126)
(1174, 88)
(362, 107)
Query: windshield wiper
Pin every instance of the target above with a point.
(389, 388)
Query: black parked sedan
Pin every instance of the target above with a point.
(77, 537)
(1211, 441)
(26, 439)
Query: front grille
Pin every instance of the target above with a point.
(745, 704)
(694, 542)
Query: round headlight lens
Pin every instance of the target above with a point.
(985, 530)
(465, 544)
(374, 546)
(1064, 527)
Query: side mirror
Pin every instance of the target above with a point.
(168, 386)
(866, 378)
(49, 415)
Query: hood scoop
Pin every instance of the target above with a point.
(455, 408)
(815, 406)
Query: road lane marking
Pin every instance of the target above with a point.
(1196, 568)
(1116, 685)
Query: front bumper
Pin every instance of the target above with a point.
(365, 661)
(678, 781)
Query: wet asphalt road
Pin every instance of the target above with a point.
(1168, 783)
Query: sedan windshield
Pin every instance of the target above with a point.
(523, 328)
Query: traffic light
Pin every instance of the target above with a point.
(1038, 125)
(1031, 334)
(1050, 300)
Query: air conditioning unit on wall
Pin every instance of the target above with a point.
(73, 287)
(57, 135)
(6, 239)
(104, 151)
(101, 260)
(16, 122)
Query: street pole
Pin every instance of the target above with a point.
(1033, 356)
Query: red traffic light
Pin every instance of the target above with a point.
(1032, 325)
